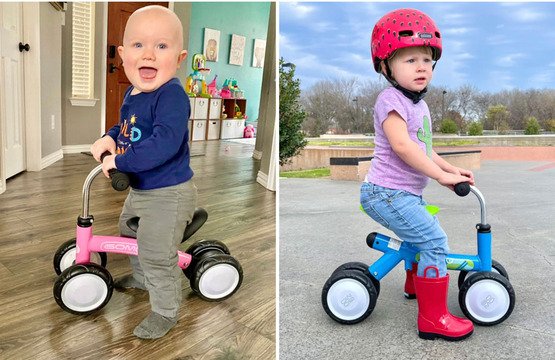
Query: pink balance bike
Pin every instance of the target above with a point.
(84, 285)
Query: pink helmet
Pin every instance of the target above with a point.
(403, 28)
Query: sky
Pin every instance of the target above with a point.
(491, 46)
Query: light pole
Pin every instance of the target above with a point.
(355, 100)
(443, 104)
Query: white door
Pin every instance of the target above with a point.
(11, 86)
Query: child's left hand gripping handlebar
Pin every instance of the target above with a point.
(120, 180)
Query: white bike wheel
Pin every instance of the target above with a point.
(84, 292)
(219, 281)
(348, 299)
(487, 300)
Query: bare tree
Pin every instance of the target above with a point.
(439, 100)
(320, 103)
(347, 105)
(465, 103)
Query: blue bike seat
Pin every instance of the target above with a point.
(199, 218)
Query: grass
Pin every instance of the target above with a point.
(306, 174)
(370, 144)
(345, 143)
(455, 143)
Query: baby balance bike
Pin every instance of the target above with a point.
(485, 295)
(84, 285)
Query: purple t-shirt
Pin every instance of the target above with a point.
(388, 169)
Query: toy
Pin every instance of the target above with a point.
(195, 84)
(225, 93)
(230, 90)
(237, 111)
(485, 296)
(223, 114)
(84, 285)
(212, 88)
(249, 131)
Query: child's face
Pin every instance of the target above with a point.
(412, 67)
(152, 49)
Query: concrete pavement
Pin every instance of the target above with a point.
(321, 227)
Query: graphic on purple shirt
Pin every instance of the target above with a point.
(388, 169)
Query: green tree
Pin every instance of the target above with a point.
(291, 114)
(497, 118)
(475, 129)
(550, 125)
(532, 126)
(448, 126)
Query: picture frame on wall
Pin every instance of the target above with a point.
(211, 44)
(258, 52)
(237, 50)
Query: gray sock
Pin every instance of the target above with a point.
(154, 326)
(128, 282)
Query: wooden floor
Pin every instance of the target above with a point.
(38, 213)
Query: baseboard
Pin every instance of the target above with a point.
(257, 154)
(262, 179)
(51, 159)
(76, 149)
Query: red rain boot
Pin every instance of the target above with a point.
(434, 319)
(410, 293)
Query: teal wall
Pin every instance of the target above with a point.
(248, 19)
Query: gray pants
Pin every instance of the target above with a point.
(164, 214)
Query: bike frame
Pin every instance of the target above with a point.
(87, 242)
(396, 250)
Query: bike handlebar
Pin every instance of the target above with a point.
(462, 189)
(120, 180)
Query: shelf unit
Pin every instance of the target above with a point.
(206, 121)
(232, 127)
(199, 118)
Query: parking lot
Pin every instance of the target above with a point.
(321, 227)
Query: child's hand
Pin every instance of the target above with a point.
(108, 163)
(102, 145)
(450, 180)
(468, 174)
(460, 171)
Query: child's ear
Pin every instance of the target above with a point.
(120, 52)
(182, 56)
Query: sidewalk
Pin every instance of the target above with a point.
(321, 227)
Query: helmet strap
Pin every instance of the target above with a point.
(414, 96)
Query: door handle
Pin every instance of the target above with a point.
(113, 69)
(25, 47)
(112, 51)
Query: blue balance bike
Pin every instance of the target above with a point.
(486, 296)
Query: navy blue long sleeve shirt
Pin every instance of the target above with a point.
(152, 137)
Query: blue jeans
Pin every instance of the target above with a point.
(405, 214)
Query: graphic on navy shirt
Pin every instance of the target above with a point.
(128, 134)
